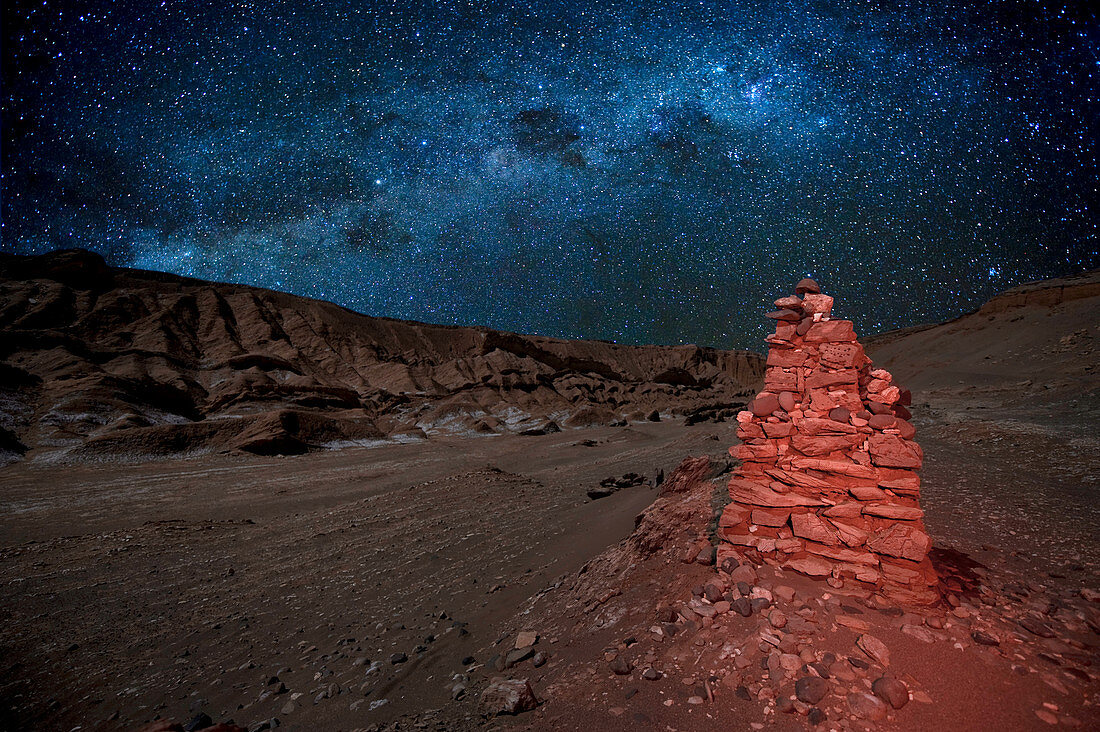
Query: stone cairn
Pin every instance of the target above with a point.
(828, 482)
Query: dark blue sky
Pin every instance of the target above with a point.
(646, 172)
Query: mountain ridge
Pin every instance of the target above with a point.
(109, 361)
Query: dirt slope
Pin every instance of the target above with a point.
(112, 363)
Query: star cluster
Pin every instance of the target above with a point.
(644, 172)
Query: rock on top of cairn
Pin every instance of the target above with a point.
(806, 285)
(828, 482)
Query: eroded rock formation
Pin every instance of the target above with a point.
(99, 362)
(828, 484)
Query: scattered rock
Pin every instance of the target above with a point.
(514, 656)
(866, 706)
(920, 633)
(621, 666)
(981, 637)
(1032, 624)
(526, 638)
(507, 696)
(874, 648)
(706, 555)
(891, 690)
(1046, 716)
(811, 689)
(742, 606)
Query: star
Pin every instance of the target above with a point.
(645, 174)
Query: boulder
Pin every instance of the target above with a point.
(507, 696)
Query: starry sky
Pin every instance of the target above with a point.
(643, 171)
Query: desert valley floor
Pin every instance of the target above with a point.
(382, 586)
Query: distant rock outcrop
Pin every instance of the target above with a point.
(828, 484)
(98, 362)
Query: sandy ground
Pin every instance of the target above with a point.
(172, 587)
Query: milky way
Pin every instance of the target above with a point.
(645, 172)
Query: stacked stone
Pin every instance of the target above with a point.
(828, 482)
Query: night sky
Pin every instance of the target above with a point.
(644, 172)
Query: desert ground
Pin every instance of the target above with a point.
(384, 585)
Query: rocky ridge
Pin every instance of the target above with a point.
(107, 363)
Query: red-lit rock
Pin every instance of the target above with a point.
(882, 421)
(845, 377)
(770, 517)
(863, 705)
(830, 331)
(777, 380)
(756, 451)
(850, 534)
(893, 511)
(811, 526)
(842, 554)
(813, 566)
(750, 431)
(825, 427)
(791, 302)
(840, 467)
(867, 493)
(812, 446)
(847, 509)
(817, 304)
(907, 542)
(890, 451)
(758, 495)
(764, 405)
(786, 357)
(787, 401)
(777, 429)
(898, 480)
(841, 355)
(807, 285)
